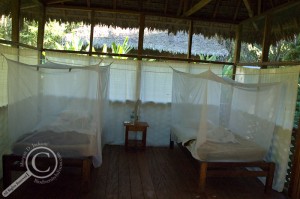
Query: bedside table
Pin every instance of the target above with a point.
(136, 127)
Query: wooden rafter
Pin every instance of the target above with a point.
(186, 5)
(179, 10)
(250, 12)
(216, 8)
(237, 9)
(166, 6)
(272, 11)
(197, 7)
(259, 7)
(248, 6)
(115, 4)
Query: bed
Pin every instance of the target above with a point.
(229, 152)
(61, 107)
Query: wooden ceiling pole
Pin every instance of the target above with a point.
(196, 7)
(266, 40)
(15, 15)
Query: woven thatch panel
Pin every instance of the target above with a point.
(120, 20)
(164, 23)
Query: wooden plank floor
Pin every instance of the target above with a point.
(158, 172)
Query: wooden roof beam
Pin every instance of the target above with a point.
(198, 6)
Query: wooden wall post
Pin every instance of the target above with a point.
(237, 48)
(92, 32)
(15, 15)
(141, 36)
(41, 31)
(266, 41)
(140, 53)
(190, 40)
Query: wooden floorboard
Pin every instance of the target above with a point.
(156, 173)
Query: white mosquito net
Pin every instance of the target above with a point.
(222, 120)
(59, 105)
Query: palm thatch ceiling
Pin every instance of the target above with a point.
(210, 17)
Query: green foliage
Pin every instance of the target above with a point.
(208, 57)
(121, 49)
(5, 28)
(29, 33)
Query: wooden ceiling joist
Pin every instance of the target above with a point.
(196, 7)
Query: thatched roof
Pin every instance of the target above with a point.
(153, 40)
(211, 17)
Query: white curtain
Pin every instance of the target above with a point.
(280, 149)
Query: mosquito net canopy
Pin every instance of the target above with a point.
(58, 105)
(222, 120)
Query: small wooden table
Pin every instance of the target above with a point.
(136, 127)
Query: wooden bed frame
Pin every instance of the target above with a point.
(12, 162)
(230, 169)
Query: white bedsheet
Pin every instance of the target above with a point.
(236, 150)
(68, 144)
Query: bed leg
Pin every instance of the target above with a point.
(270, 176)
(171, 143)
(86, 175)
(202, 176)
(6, 163)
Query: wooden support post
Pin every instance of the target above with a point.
(141, 36)
(15, 15)
(266, 41)
(92, 32)
(41, 31)
(140, 53)
(237, 49)
(190, 39)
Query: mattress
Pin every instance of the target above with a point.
(237, 150)
(68, 144)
